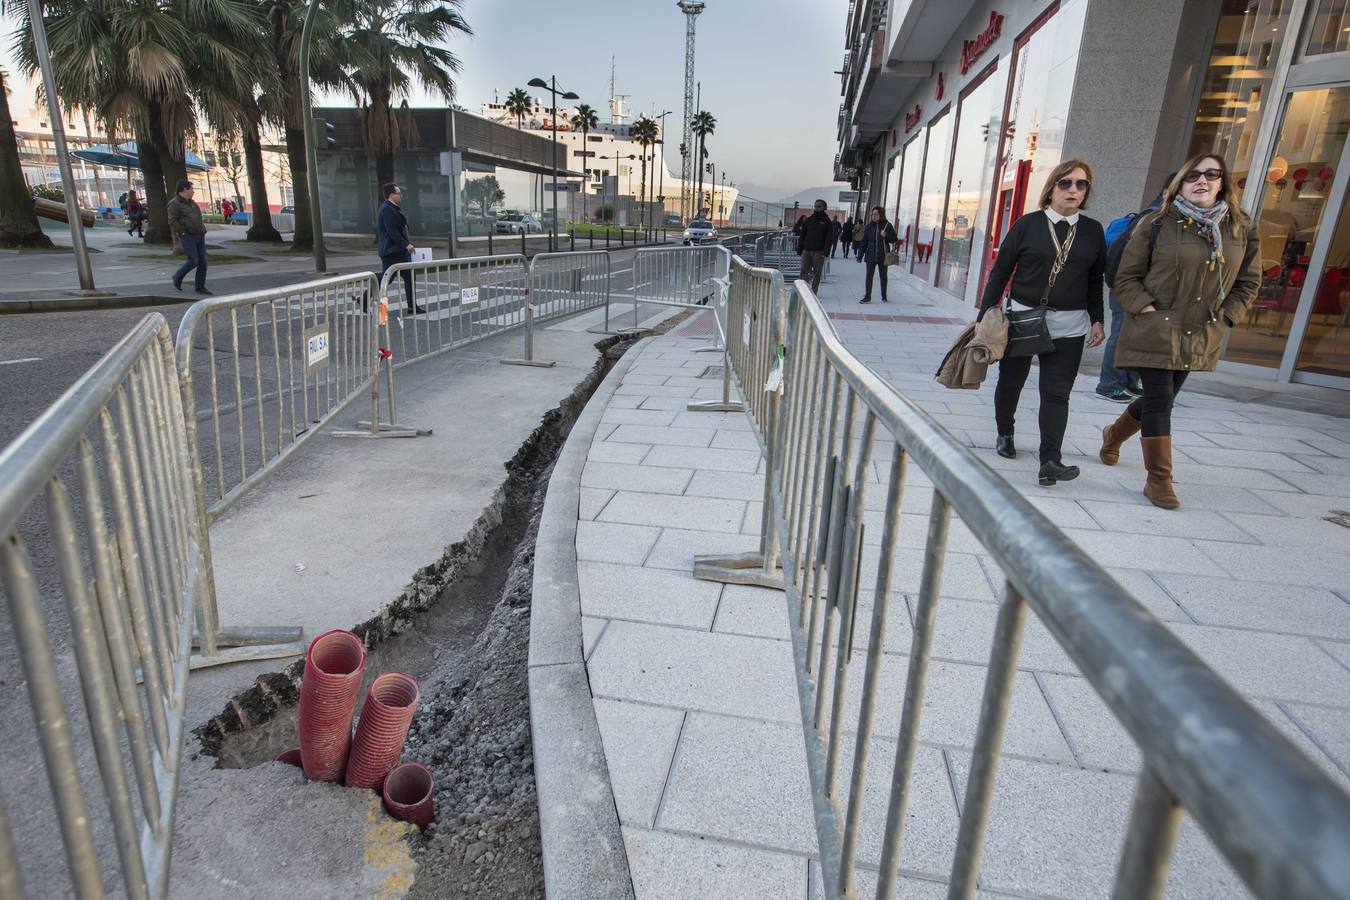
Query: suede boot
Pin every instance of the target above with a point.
(1158, 462)
(1116, 434)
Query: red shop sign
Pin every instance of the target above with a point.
(912, 118)
(973, 50)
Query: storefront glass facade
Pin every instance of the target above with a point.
(977, 121)
(907, 204)
(932, 196)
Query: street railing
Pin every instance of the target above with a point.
(830, 426)
(561, 284)
(267, 369)
(460, 301)
(100, 488)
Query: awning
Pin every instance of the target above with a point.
(126, 156)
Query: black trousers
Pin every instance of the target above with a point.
(881, 269)
(846, 244)
(1154, 409)
(1059, 367)
(394, 259)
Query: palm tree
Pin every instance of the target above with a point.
(19, 226)
(703, 124)
(584, 119)
(390, 48)
(518, 103)
(134, 65)
(644, 130)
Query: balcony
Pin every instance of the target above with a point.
(883, 87)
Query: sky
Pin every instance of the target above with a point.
(766, 67)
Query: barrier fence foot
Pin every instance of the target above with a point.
(538, 363)
(247, 653)
(744, 568)
(386, 430)
(715, 406)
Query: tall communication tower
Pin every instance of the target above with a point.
(691, 9)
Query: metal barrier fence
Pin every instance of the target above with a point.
(446, 303)
(100, 486)
(310, 349)
(1278, 820)
(562, 284)
(779, 251)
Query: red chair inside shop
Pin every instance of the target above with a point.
(1333, 294)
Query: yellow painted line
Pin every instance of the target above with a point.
(389, 866)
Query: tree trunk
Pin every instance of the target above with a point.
(19, 226)
(260, 227)
(156, 197)
(384, 170)
(295, 155)
(698, 195)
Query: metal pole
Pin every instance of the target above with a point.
(311, 151)
(553, 232)
(454, 198)
(44, 57)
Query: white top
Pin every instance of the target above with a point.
(1063, 323)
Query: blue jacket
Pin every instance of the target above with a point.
(877, 238)
(391, 226)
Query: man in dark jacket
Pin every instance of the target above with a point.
(391, 227)
(835, 228)
(816, 230)
(185, 221)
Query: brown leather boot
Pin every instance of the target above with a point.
(1158, 462)
(1115, 434)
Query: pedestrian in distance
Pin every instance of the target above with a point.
(1054, 258)
(391, 227)
(135, 215)
(836, 229)
(815, 242)
(877, 243)
(1189, 272)
(185, 222)
(797, 230)
(846, 235)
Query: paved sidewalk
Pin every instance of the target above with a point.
(692, 681)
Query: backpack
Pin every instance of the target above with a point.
(1118, 232)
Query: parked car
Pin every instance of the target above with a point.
(700, 231)
(517, 223)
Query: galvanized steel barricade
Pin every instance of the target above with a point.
(100, 489)
(300, 354)
(453, 302)
(1279, 821)
(562, 284)
(779, 251)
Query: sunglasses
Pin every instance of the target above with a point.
(1068, 184)
(1195, 175)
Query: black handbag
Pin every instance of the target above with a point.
(1028, 330)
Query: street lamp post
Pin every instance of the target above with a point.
(311, 150)
(552, 87)
(661, 191)
(44, 57)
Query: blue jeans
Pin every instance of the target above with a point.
(195, 248)
(1113, 379)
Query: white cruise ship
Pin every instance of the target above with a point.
(595, 154)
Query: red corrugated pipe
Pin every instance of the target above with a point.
(382, 729)
(290, 756)
(409, 794)
(333, 668)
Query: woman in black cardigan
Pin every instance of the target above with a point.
(1074, 316)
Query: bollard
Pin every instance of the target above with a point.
(572, 236)
(522, 241)
(490, 230)
(529, 359)
(591, 232)
(621, 236)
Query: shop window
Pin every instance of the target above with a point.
(1329, 31)
(928, 226)
(1236, 89)
(907, 201)
(977, 124)
(1293, 209)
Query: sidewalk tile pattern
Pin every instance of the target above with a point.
(693, 682)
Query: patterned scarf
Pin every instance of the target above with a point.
(1209, 221)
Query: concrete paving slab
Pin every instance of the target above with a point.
(662, 436)
(708, 513)
(1304, 566)
(719, 460)
(609, 542)
(676, 548)
(592, 500)
(1260, 606)
(727, 485)
(1275, 666)
(623, 454)
(639, 743)
(591, 630)
(631, 477)
(1184, 523)
(646, 595)
(669, 866)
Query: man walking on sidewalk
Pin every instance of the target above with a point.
(816, 230)
(185, 221)
(835, 228)
(391, 226)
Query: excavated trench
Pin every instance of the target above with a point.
(461, 627)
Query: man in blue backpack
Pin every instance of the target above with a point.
(1119, 385)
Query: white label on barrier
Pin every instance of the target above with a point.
(468, 296)
(745, 329)
(316, 348)
(775, 381)
(421, 254)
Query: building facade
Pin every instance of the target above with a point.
(954, 111)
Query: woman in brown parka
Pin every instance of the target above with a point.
(1188, 273)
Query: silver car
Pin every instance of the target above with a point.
(700, 231)
(517, 223)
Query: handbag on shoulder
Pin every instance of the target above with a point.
(1028, 330)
